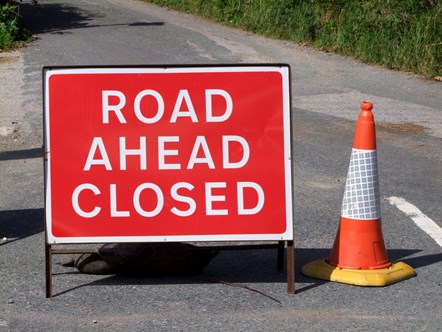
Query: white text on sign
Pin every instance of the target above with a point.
(114, 104)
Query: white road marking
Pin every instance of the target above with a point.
(419, 218)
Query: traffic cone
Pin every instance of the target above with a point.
(358, 256)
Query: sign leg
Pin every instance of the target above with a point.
(48, 255)
(290, 267)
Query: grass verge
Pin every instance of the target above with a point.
(398, 34)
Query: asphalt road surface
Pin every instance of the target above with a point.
(237, 291)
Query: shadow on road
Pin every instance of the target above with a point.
(43, 18)
(19, 224)
(421, 261)
(21, 154)
(59, 18)
(237, 268)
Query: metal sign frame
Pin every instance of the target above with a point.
(284, 239)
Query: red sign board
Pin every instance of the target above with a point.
(168, 153)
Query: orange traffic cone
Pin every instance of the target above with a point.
(359, 256)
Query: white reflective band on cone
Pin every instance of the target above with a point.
(361, 197)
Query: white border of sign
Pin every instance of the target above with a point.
(283, 69)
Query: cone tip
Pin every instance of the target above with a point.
(366, 106)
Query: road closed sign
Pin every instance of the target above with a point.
(171, 153)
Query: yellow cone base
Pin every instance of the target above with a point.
(320, 269)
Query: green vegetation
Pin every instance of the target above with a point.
(9, 27)
(11, 33)
(398, 34)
